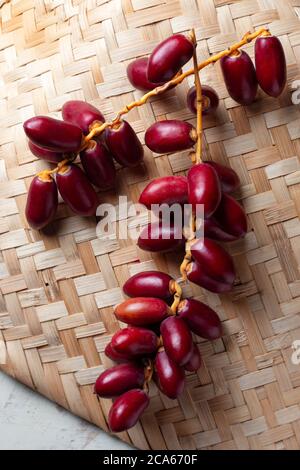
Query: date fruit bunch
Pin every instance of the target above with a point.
(242, 78)
(209, 184)
(60, 141)
(157, 343)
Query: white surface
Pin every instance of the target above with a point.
(30, 421)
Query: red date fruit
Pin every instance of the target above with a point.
(204, 187)
(177, 340)
(200, 318)
(169, 376)
(165, 190)
(76, 190)
(114, 356)
(270, 65)
(52, 134)
(42, 201)
(161, 237)
(195, 361)
(98, 165)
(127, 409)
(210, 99)
(197, 275)
(124, 145)
(240, 77)
(134, 342)
(137, 75)
(81, 114)
(142, 311)
(215, 262)
(168, 57)
(150, 284)
(229, 222)
(119, 379)
(170, 136)
(228, 177)
(44, 154)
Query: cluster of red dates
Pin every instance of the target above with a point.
(157, 341)
(59, 142)
(208, 184)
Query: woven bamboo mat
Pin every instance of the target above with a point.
(58, 288)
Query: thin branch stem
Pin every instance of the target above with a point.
(199, 106)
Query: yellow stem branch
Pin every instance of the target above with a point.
(97, 130)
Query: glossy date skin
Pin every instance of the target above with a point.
(142, 311)
(119, 379)
(197, 274)
(204, 187)
(124, 145)
(137, 75)
(229, 179)
(76, 190)
(52, 134)
(134, 342)
(177, 340)
(210, 100)
(127, 409)
(200, 318)
(215, 262)
(150, 284)
(165, 190)
(161, 237)
(81, 114)
(229, 221)
(170, 136)
(42, 202)
(44, 154)
(116, 357)
(240, 77)
(168, 57)
(270, 65)
(194, 362)
(169, 376)
(98, 165)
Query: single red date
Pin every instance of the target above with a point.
(168, 57)
(119, 379)
(82, 114)
(150, 284)
(240, 77)
(127, 409)
(177, 340)
(134, 342)
(98, 165)
(52, 134)
(210, 100)
(200, 318)
(76, 190)
(161, 237)
(137, 75)
(270, 65)
(169, 376)
(204, 188)
(45, 154)
(142, 311)
(195, 361)
(42, 201)
(165, 190)
(170, 136)
(124, 145)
